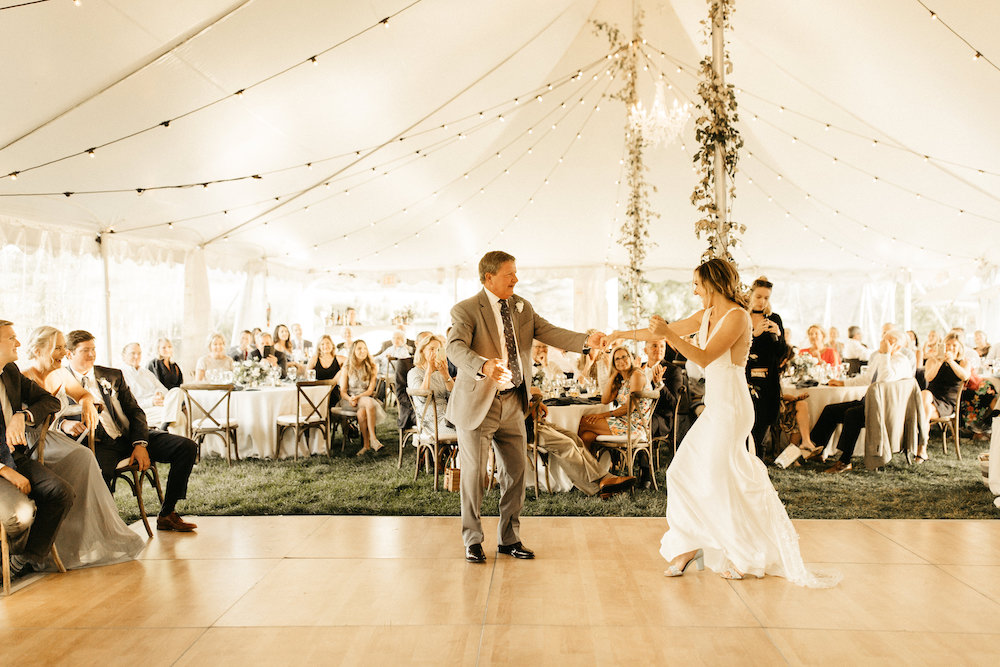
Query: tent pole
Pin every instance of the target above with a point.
(718, 64)
(105, 260)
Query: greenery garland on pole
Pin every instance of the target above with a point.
(718, 139)
(634, 235)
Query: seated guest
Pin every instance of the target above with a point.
(301, 348)
(982, 345)
(944, 376)
(975, 361)
(430, 373)
(324, 362)
(163, 407)
(887, 365)
(993, 357)
(793, 414)
(933, 346)
(595, 367)
(397, 350)
(283, 344)
(542, 370)
(626, 379)
(818, 347)
(833, 340)
(386, 344)
(265, 352)
(668, 379)
(167, 372)
(92, 532)
(216, 361)
(344, 346)
(904, 348)
(122, 432)
(358, 379)
(242, 351)
(583, 469)
(34, 500)
(853, 347)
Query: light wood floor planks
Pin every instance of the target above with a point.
(326, 590)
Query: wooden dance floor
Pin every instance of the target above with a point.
(326, 590)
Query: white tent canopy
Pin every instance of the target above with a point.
(878, 72)
(871, 140)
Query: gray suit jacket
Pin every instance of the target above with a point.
(474, 339)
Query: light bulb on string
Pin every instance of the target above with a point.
(92, 152)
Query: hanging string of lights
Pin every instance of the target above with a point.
(415, 233)
(76, 3)
(504, 171)
(410, 206)
(827, 125)
(840, 215)
(977, 55)
(875, 178)
(492, 114)
(313, 60)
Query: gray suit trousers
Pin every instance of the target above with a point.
(504, 424)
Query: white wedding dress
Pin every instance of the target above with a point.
(719, 496)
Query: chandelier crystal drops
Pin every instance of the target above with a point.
(659, 125)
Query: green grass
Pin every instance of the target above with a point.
(941, 488)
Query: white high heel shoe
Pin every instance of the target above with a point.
(699, 562)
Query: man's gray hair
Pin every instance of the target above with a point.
(491, 263)
(128, 345)
(853, 331)
(896, 335)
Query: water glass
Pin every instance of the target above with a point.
(311, 375)
(292, 372)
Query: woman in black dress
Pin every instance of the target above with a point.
(766, 351)
(945, 375)
(164, 367)
(326, 365)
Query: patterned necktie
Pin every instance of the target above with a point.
(513, 363)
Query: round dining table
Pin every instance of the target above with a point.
(566, 417)
(256, 412)
(821, 396)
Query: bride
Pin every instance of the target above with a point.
(721, 507)
(92, 533)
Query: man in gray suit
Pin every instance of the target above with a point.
(490, 344)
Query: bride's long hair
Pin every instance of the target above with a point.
(721, 276)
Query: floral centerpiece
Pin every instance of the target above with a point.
(250, 373)
(805, 370)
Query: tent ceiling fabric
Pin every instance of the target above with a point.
(86, 76)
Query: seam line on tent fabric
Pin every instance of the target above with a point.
(444, 104)
(240, 92)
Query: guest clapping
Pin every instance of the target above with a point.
(215, 361)
(430, 373)
(357, 389)
(944, 376)
(164, 368)
(625, 379)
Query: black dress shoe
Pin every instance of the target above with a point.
(517, 550)
(474, 553)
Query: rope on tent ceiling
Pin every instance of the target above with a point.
(496, 112)
(884, 142)
(396, 137)
(415, 233)
(92, 151)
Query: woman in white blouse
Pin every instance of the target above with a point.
(215, 360)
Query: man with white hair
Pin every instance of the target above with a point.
(886, 365)
(161, 405)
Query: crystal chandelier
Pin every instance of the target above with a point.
(659, 125)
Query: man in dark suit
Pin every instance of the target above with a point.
(490, 343)
(242, 351)
(123, 434)
(33, 499)
(666, 377)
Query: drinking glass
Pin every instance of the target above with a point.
(292, 372)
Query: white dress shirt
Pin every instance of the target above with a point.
(882, 368)
(143, 384)
(854, 349)
(495, 301)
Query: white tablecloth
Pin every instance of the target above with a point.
(566, 417)
(256, 412)
(822, 396)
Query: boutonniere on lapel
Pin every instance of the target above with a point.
(106, 386)
(519, 305)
